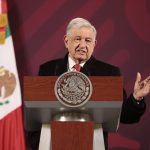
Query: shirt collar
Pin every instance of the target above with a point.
(71, 63)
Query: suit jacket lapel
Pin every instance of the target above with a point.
(88, 69)
(62, 66)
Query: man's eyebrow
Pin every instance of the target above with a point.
(78, 36)
(88, 38)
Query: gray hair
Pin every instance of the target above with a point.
(78, 23)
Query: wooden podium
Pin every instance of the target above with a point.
(41, 106)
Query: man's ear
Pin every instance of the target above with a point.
(66, 41)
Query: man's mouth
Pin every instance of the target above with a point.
(81, 51)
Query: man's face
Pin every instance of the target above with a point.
(80, 43)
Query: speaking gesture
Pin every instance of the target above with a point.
(141, 88)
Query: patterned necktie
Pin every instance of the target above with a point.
(77, 67)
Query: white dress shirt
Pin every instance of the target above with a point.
(71, 64)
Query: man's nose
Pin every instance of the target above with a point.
(82, 43)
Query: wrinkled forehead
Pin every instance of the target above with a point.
(84, 31)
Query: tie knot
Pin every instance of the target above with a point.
(77, 67)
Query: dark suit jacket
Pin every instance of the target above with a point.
(131, 111)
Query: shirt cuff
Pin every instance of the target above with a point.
(138, 102)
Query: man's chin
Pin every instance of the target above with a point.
(81, 59)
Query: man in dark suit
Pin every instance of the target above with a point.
(80, 40)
